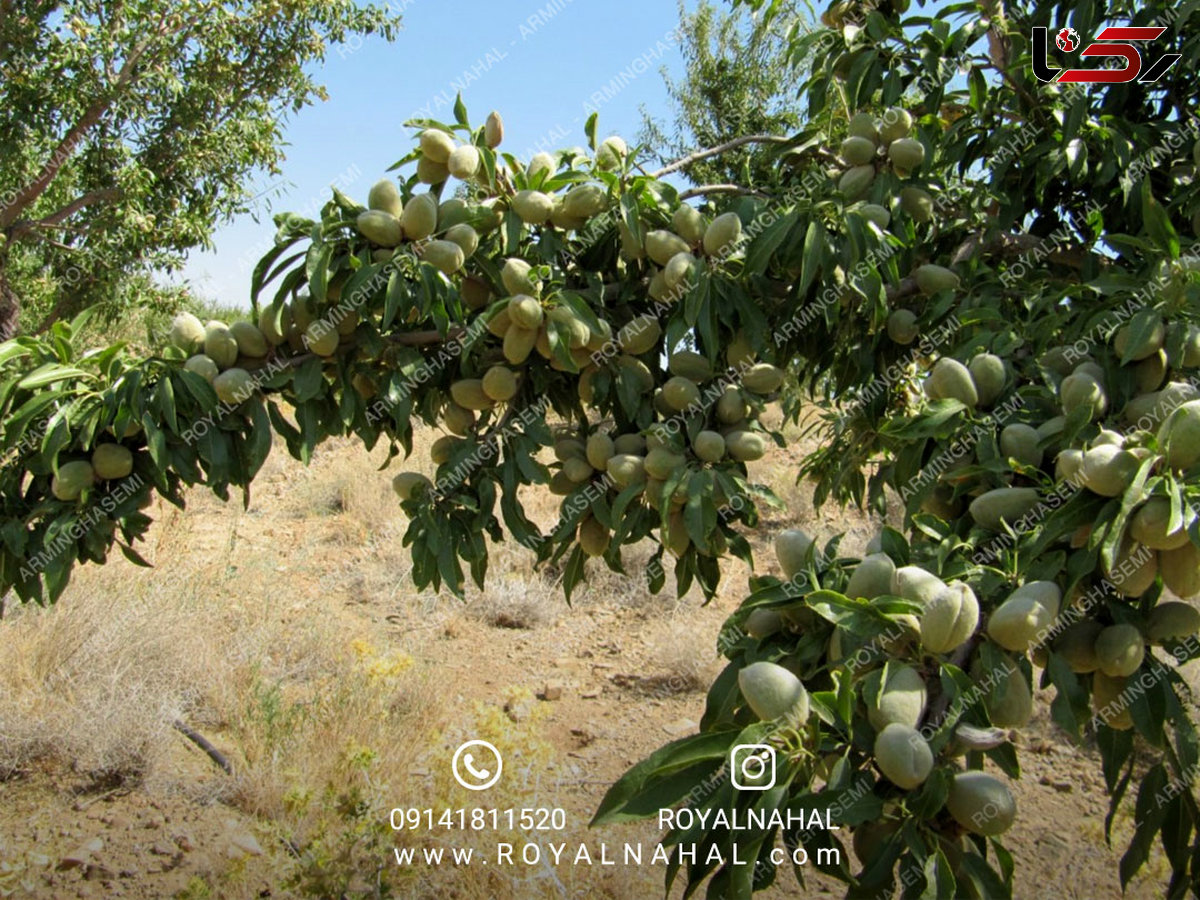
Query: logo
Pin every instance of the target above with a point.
(477, 776)
(1111, 41)
(1067, 40)
(752, 767)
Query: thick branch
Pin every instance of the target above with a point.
(1073, 255)
(66, 148)
(718, 150)
(58, 216)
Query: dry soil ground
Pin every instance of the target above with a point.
(289, 634)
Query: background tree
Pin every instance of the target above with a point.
(128, 131)
(737, 81)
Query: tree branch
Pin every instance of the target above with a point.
(58, 216)
(66, 148)
(707, 189)
(718, 150)
(202, 742)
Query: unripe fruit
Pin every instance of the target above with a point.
(220, 345)
(599, 451)
(525, 311)
(626, 469)
(903, 756)
(762, 378)
(873, 212)
(900, 700)
(689, 224)
(896, 124)
(633, 444)
(187, 333)
(499, 383)
(541, 163)
(863, 125)
(639, 335)
(917, 584)
(981, 803)
(858, 151)
(72, 479)
(321, 339)
(464, 162)
(1109, 703)
(585, 200)
(1149, 524)
(561, 485)
(1107, 470)
(475, 293)
(1172, 620)
(233, 386)
(202, 366)
(1020, 442)
(1180, 569)
(1149, 343)
(532, 207)
(762, 623)
(250, 341)
(661, 245)
(380, 227)
(1134, 568)
(745, 446)
(419, 219)
(593, 537)
(731, 406)
(1081, 389)
(689, 364)
(709, 446)
(445, 256)
(407, 484)
(951, 380)
(441, 450)
(739, 353)
(872, 577)
(637, 371)
(1024, 619)
(517, 280)
(917, 203)
(1179, 436)
(499, 322)
(932, 279)
(611, 153)
(466, 237)
(902, 326)
(772, 691)
(855, 181)
(458, 419)
(679, 272)
(266, 324)
(792, 548)
(469, 394)
(722, 236)
(1120, 650)
(1010, 702)
(453, 212)
(111, 461)
(430, 172)
(436, 145)
(949, 619)
(578, 470)
(906, 154)
(661, 463)
(569, 448)
(1149, 373)
(493, 130)
(1002, 505)
(988, 372)
(680, 393)
(560, 218)
(385, 196)
(1077, 645)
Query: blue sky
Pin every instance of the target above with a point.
(543, 65)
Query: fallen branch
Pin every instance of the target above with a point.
(202, 742)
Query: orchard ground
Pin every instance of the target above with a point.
(290, 636)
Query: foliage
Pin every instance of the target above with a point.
(736, 81)
(125, 135)
(973, 217)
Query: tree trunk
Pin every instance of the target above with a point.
(10, 309)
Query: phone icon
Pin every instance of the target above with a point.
(476, 776)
